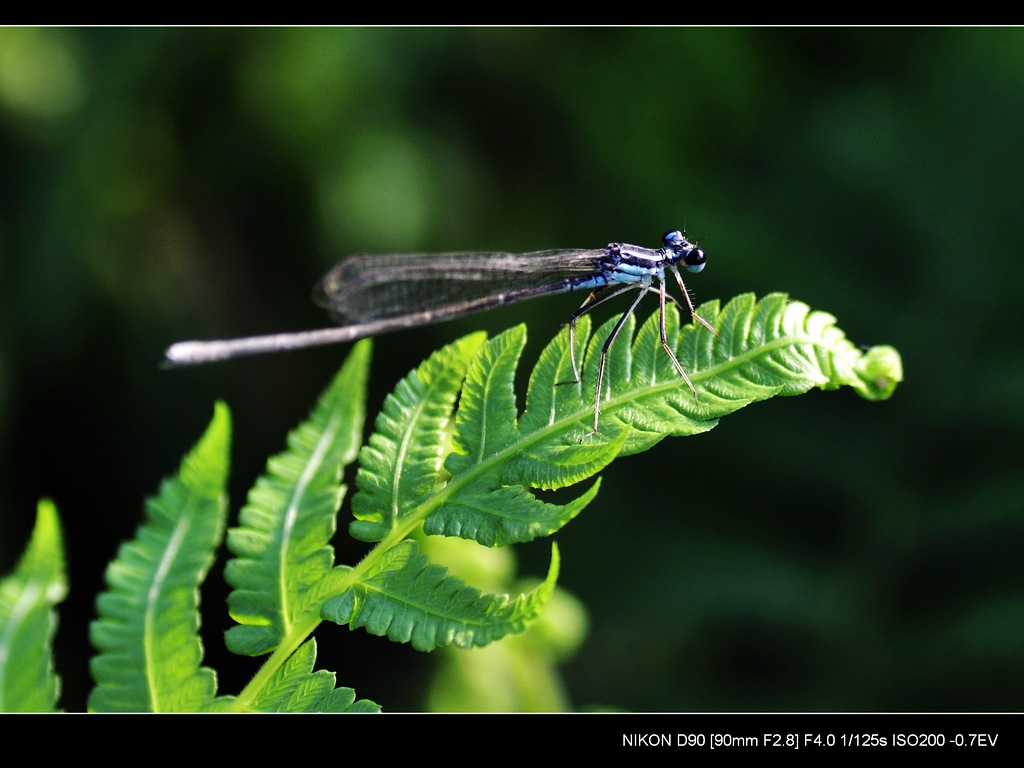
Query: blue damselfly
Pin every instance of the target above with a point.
(371, 295)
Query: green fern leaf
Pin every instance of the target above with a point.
(409, 600)
(404, 455)
(488, 497)
(147, 633)
(295, 687)
(497, 459)
(28, 622)
(762, 348)
(281, 547)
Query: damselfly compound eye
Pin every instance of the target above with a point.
(694, 260)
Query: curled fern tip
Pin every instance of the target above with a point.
(880, 370)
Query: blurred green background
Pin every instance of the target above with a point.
(814, 553)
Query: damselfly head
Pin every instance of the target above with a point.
(675, 240)
(692, 257)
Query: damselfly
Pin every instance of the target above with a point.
(371, 295)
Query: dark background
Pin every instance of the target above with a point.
(815, 553)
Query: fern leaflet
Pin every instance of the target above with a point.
(295, 687)
(282, 546)
(28, 620)
(147, 632)
(410, 600)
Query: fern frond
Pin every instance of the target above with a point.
(763, 348)
(282, 546)
(409, 600)
(497, 459)
(147, 633)
(28, 621)
(774, 346)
